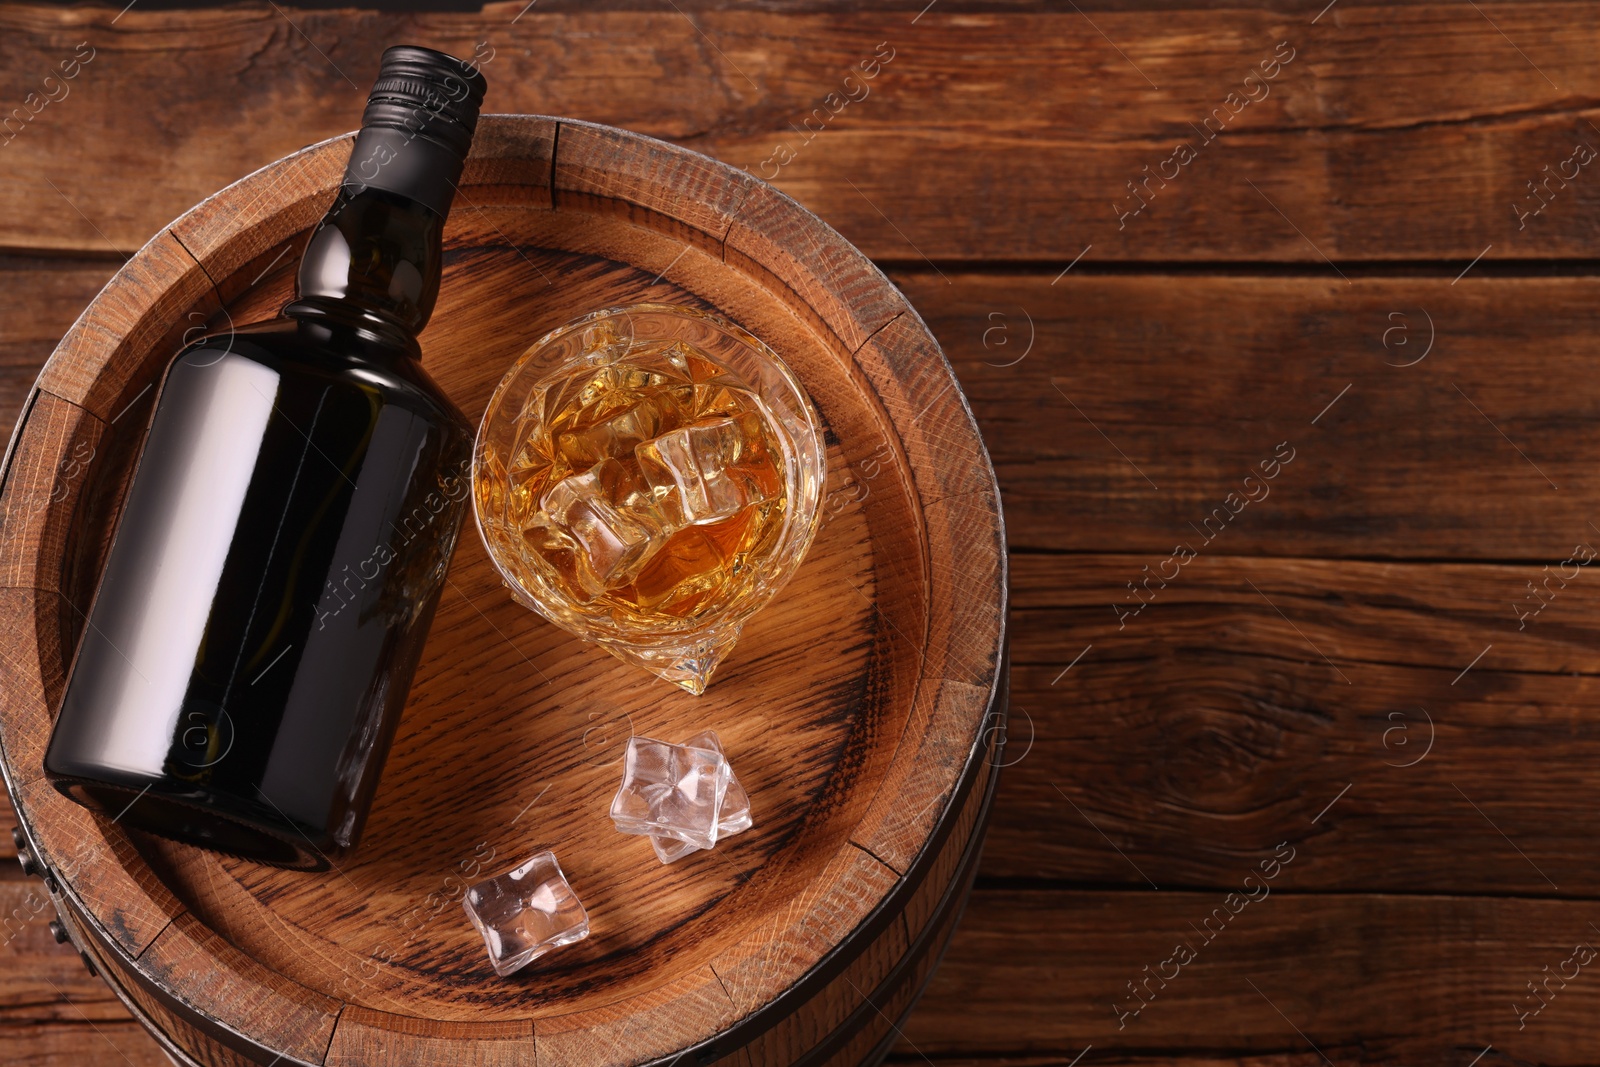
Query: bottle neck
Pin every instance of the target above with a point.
(374, 260)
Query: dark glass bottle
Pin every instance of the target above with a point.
(285, 538)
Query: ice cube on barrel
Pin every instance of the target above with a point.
(735, 808)
(674, 791)
(525, 913)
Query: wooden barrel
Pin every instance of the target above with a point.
(863, 709)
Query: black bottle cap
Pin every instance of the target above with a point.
(418, 126)
(427, 94)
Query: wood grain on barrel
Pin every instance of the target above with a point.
(188, 960)
(666, 180)
(49, 466)
(31, 659)
(366, 1037)
(160, 296)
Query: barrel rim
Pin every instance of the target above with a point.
(963, 777)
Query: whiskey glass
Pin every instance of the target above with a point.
(647, 478)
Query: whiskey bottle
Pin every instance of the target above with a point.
(284, 539)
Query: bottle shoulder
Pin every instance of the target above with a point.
(308, 355)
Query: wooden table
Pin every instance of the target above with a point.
(1291, 425)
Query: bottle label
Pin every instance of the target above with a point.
(401, 161)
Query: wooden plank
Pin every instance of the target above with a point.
(52, 1012)
(39, 299)
(31, 1044)
(1145, 400)
(1196, 379)
(42, 981)
(1371, 979)
(1211, 727)
(905, 1054)
(8, 851)
(1367, 145)
(1033, 974)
